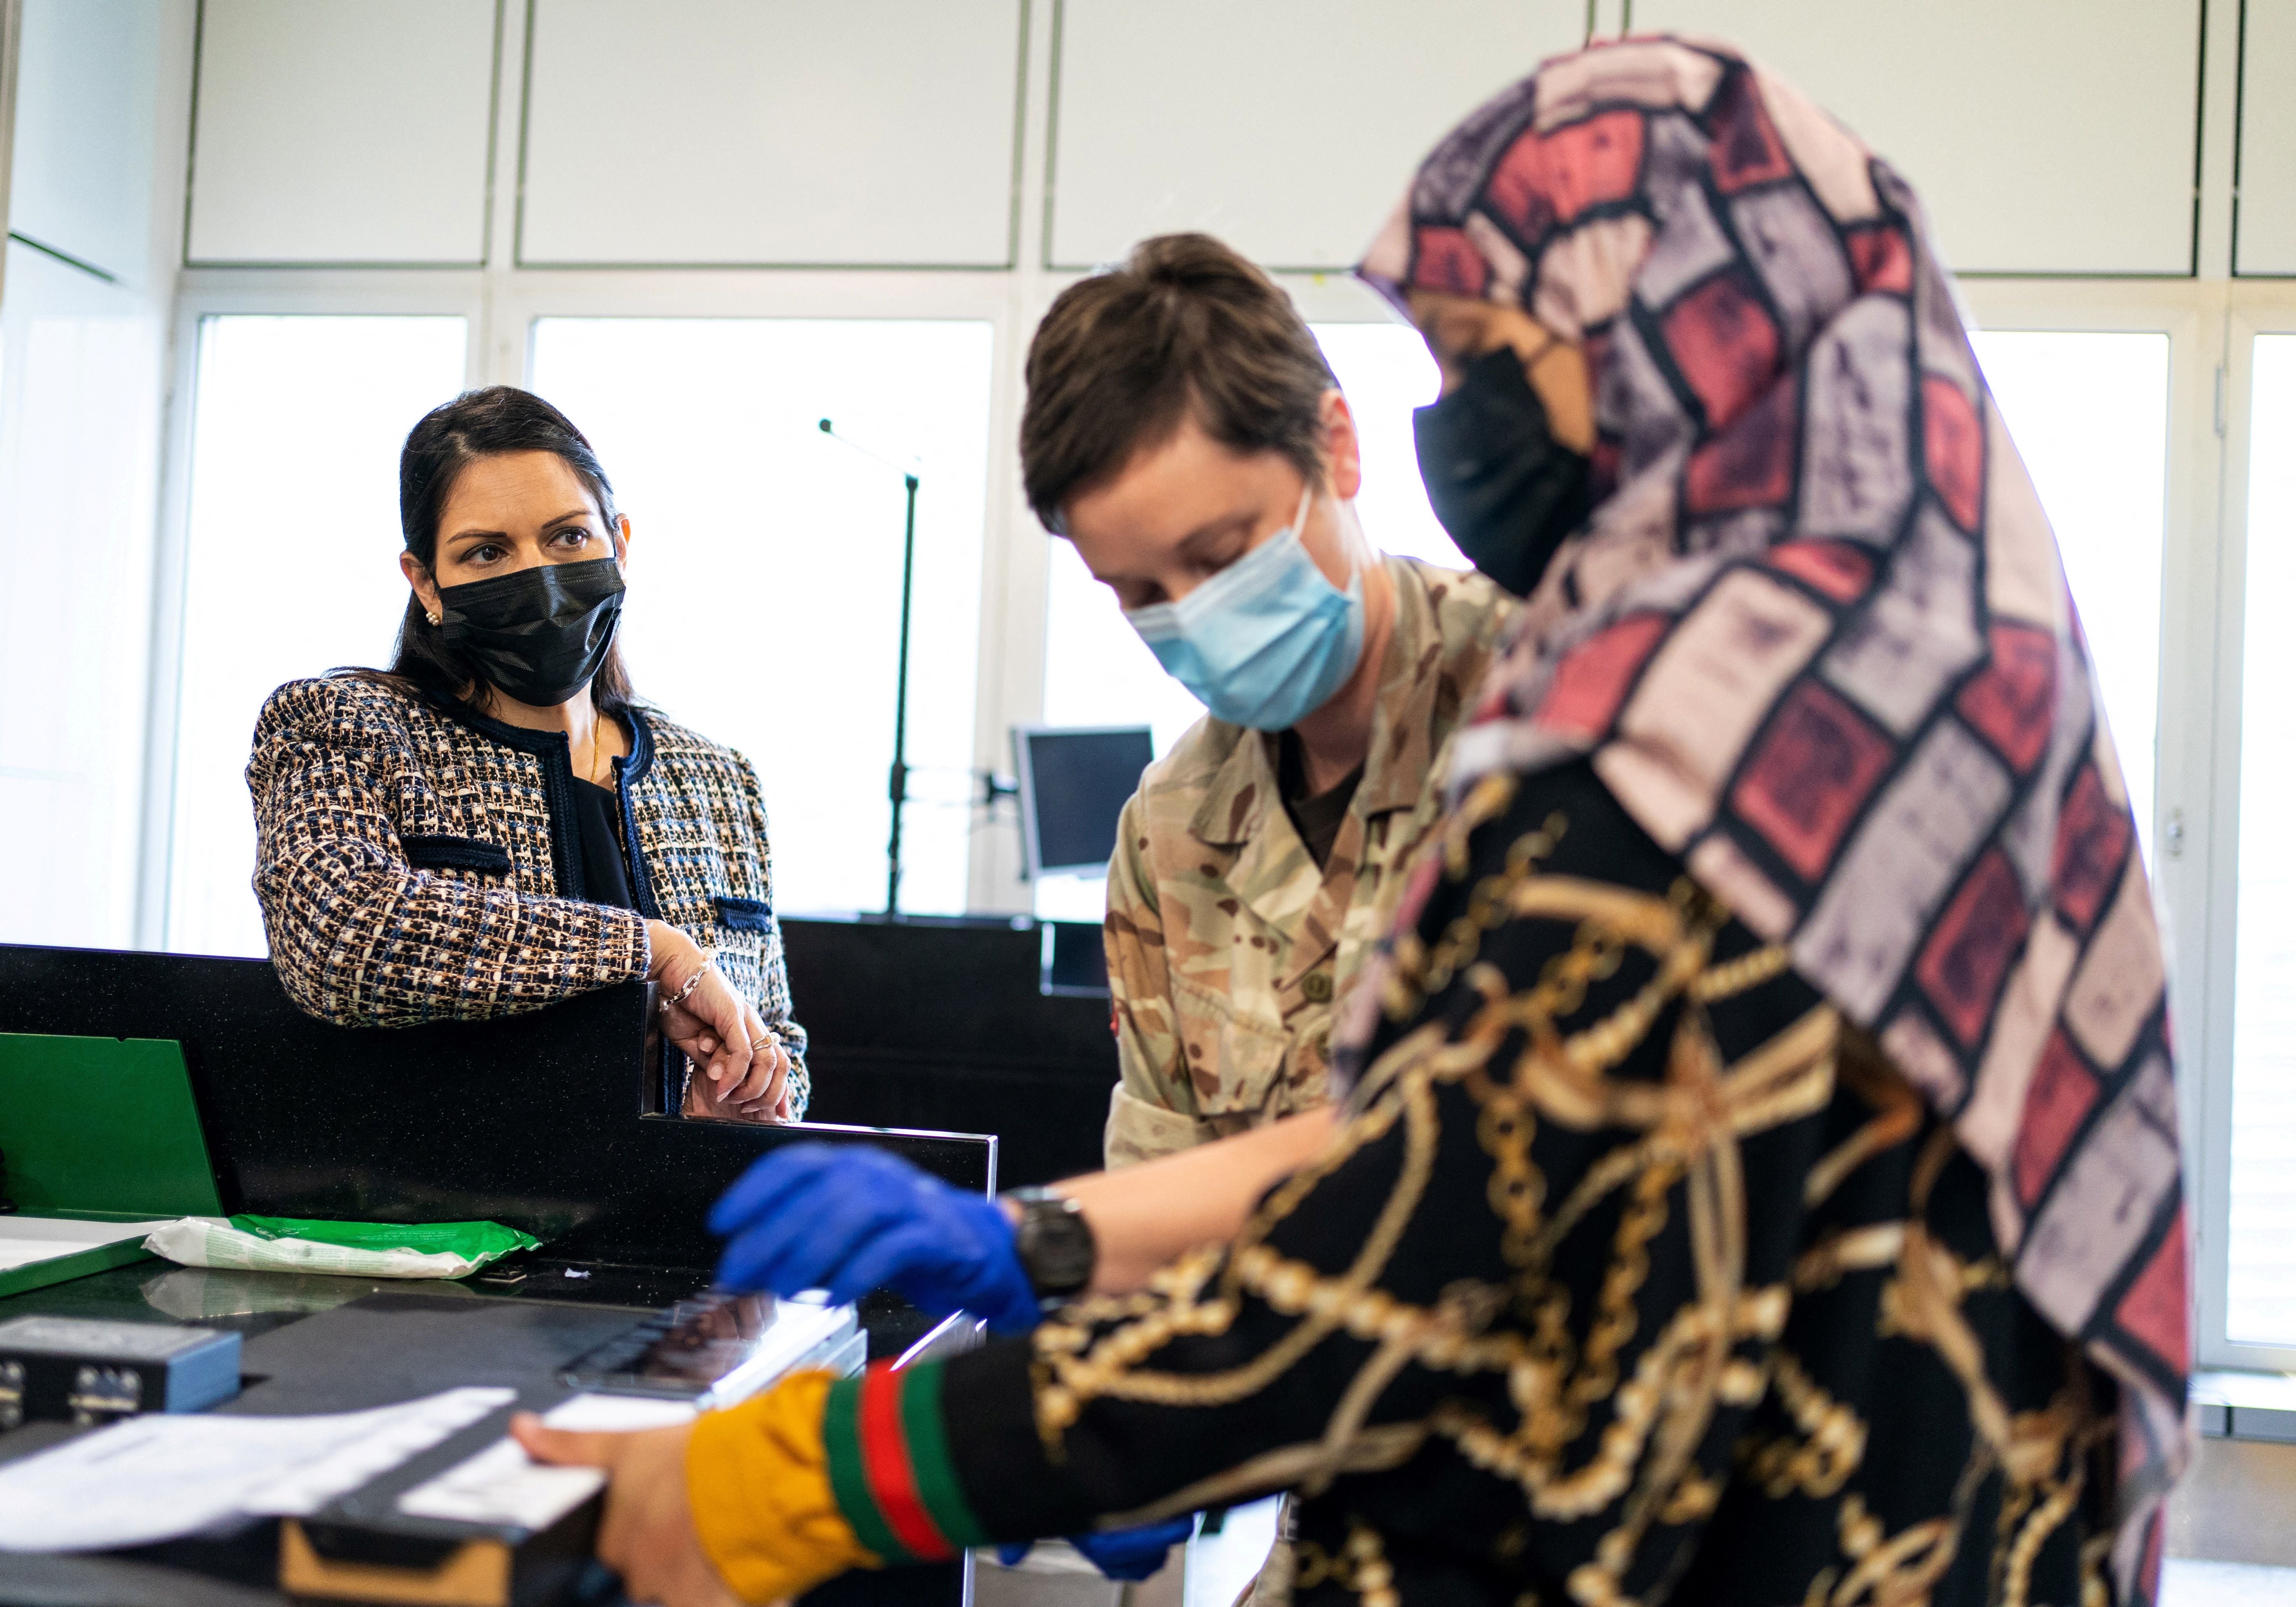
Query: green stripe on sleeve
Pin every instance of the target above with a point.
(848, 1478)
(930, 1463)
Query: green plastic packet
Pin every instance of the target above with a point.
(478, 1242)
(375, 1249)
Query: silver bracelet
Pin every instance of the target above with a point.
(708, 960)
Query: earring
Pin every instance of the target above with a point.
(431, 616)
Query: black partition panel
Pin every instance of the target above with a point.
(532, 1120)
(943, 1024)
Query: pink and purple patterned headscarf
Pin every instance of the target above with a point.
(1816, 639)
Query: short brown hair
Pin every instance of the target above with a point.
(1185, 323)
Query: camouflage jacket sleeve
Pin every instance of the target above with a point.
(1153, 1108)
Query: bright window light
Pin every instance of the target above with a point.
(1385, 373)
(2089, 413)
(2260, 1292)
(766, 566)
(292, 562)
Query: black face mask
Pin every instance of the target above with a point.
(1503, 486)
(539, 635)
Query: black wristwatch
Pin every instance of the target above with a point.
(1055, 1244)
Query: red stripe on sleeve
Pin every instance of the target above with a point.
(885, 1458)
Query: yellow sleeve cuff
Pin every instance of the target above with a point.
(757, 1479)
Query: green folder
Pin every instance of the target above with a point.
(97, 1129)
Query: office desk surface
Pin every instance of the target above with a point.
(321, 1344)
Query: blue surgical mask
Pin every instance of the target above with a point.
(1267, 640)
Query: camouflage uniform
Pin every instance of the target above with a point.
(1226, 945)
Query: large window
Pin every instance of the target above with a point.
(2260, 1286)
(766, 566)
(292, 565)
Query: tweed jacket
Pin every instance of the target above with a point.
(416, 860)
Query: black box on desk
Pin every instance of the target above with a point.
(58, 1369)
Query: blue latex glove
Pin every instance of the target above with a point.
(848, 1220)
(1128, 1555)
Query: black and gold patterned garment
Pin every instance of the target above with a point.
(1636, 1276)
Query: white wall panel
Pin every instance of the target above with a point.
(343, 132)
(872, 132)
(2266, 240)
(86, 93)
(2047, 136)
(1287, 128)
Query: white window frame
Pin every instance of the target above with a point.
(2251, 308)
(202, 295)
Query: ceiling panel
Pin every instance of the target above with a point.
(343, 132)
(870, 133)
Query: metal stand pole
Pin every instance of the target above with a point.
(896, 784)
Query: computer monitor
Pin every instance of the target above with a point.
(1073, 786)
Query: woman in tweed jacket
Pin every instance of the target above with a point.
(494, 824)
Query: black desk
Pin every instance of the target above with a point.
(941, 1023)
(926, 1024)
(309, 1348)
(535, 1121)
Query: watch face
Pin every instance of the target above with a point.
(1056, 1247)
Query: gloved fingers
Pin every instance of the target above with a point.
(1011, 1552)
(802, 1248)
(996, 1286)
(748, 1263)
(911, 1259)
(1132, 1554)
(1171, 1531)
(973, 1264)
(919, 1209)
(769, 1183)
(917, 1263)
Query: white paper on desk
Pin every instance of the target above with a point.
(617, 1414)
(403, 1432)
(24, 1239)
(165, 1475)
(502, 1484)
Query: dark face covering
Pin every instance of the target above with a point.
(539, 634)
(1503, 486)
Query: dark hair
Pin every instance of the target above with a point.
(492, 423)
(1185, 323)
